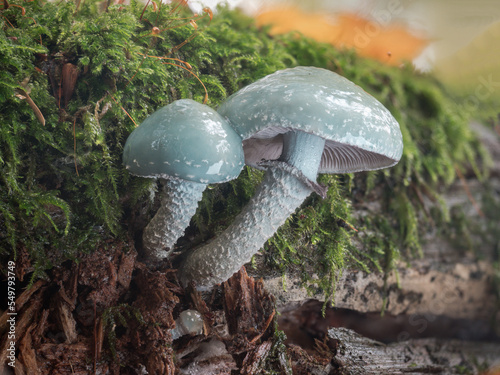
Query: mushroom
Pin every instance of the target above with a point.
(189, 145)
(189, 322)
(296, 123)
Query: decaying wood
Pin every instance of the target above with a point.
(23, 320)
(41, 327)
(64, 314)
(58, 338)
(344, 352)
(248, 309)
(356, 354)
(155, 302)
(20, 301)
(28, 356)
(64, 359)
(306, 363)
(255, 359)
(207, 358)
(311, 320)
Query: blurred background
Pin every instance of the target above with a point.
(458, 40)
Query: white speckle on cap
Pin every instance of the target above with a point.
(215, 168)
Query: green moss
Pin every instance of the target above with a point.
(276, 360)
(62, 185)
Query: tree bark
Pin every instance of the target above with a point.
(359, 355)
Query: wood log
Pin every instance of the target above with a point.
(359, 355)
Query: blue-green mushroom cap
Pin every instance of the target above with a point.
(360, 133)
(185, 140)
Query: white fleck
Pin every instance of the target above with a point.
(155, 145)
(215, 168)
(223, 146)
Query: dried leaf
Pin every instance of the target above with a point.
(384, 41)
(69, 77)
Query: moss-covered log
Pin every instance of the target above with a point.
(75, 77)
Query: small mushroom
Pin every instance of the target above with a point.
(189, 322)
(189, 145)
(296, 123)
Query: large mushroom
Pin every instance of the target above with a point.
(296, 123)
(189, 145)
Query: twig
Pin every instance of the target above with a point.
(264, 329)
(123, 109)
(74, 145)
(22, 94)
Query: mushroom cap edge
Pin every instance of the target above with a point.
(361, 134)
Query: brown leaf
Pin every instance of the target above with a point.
(69, 77)
(387, 42)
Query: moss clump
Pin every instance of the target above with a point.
(87, 68)
(62, 183)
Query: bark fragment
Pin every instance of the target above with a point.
(358, 355)
(249, 310)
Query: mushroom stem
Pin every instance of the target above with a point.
(280, 193)
(303, 151)
(178, 205)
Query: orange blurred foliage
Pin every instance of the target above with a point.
(384, 41)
